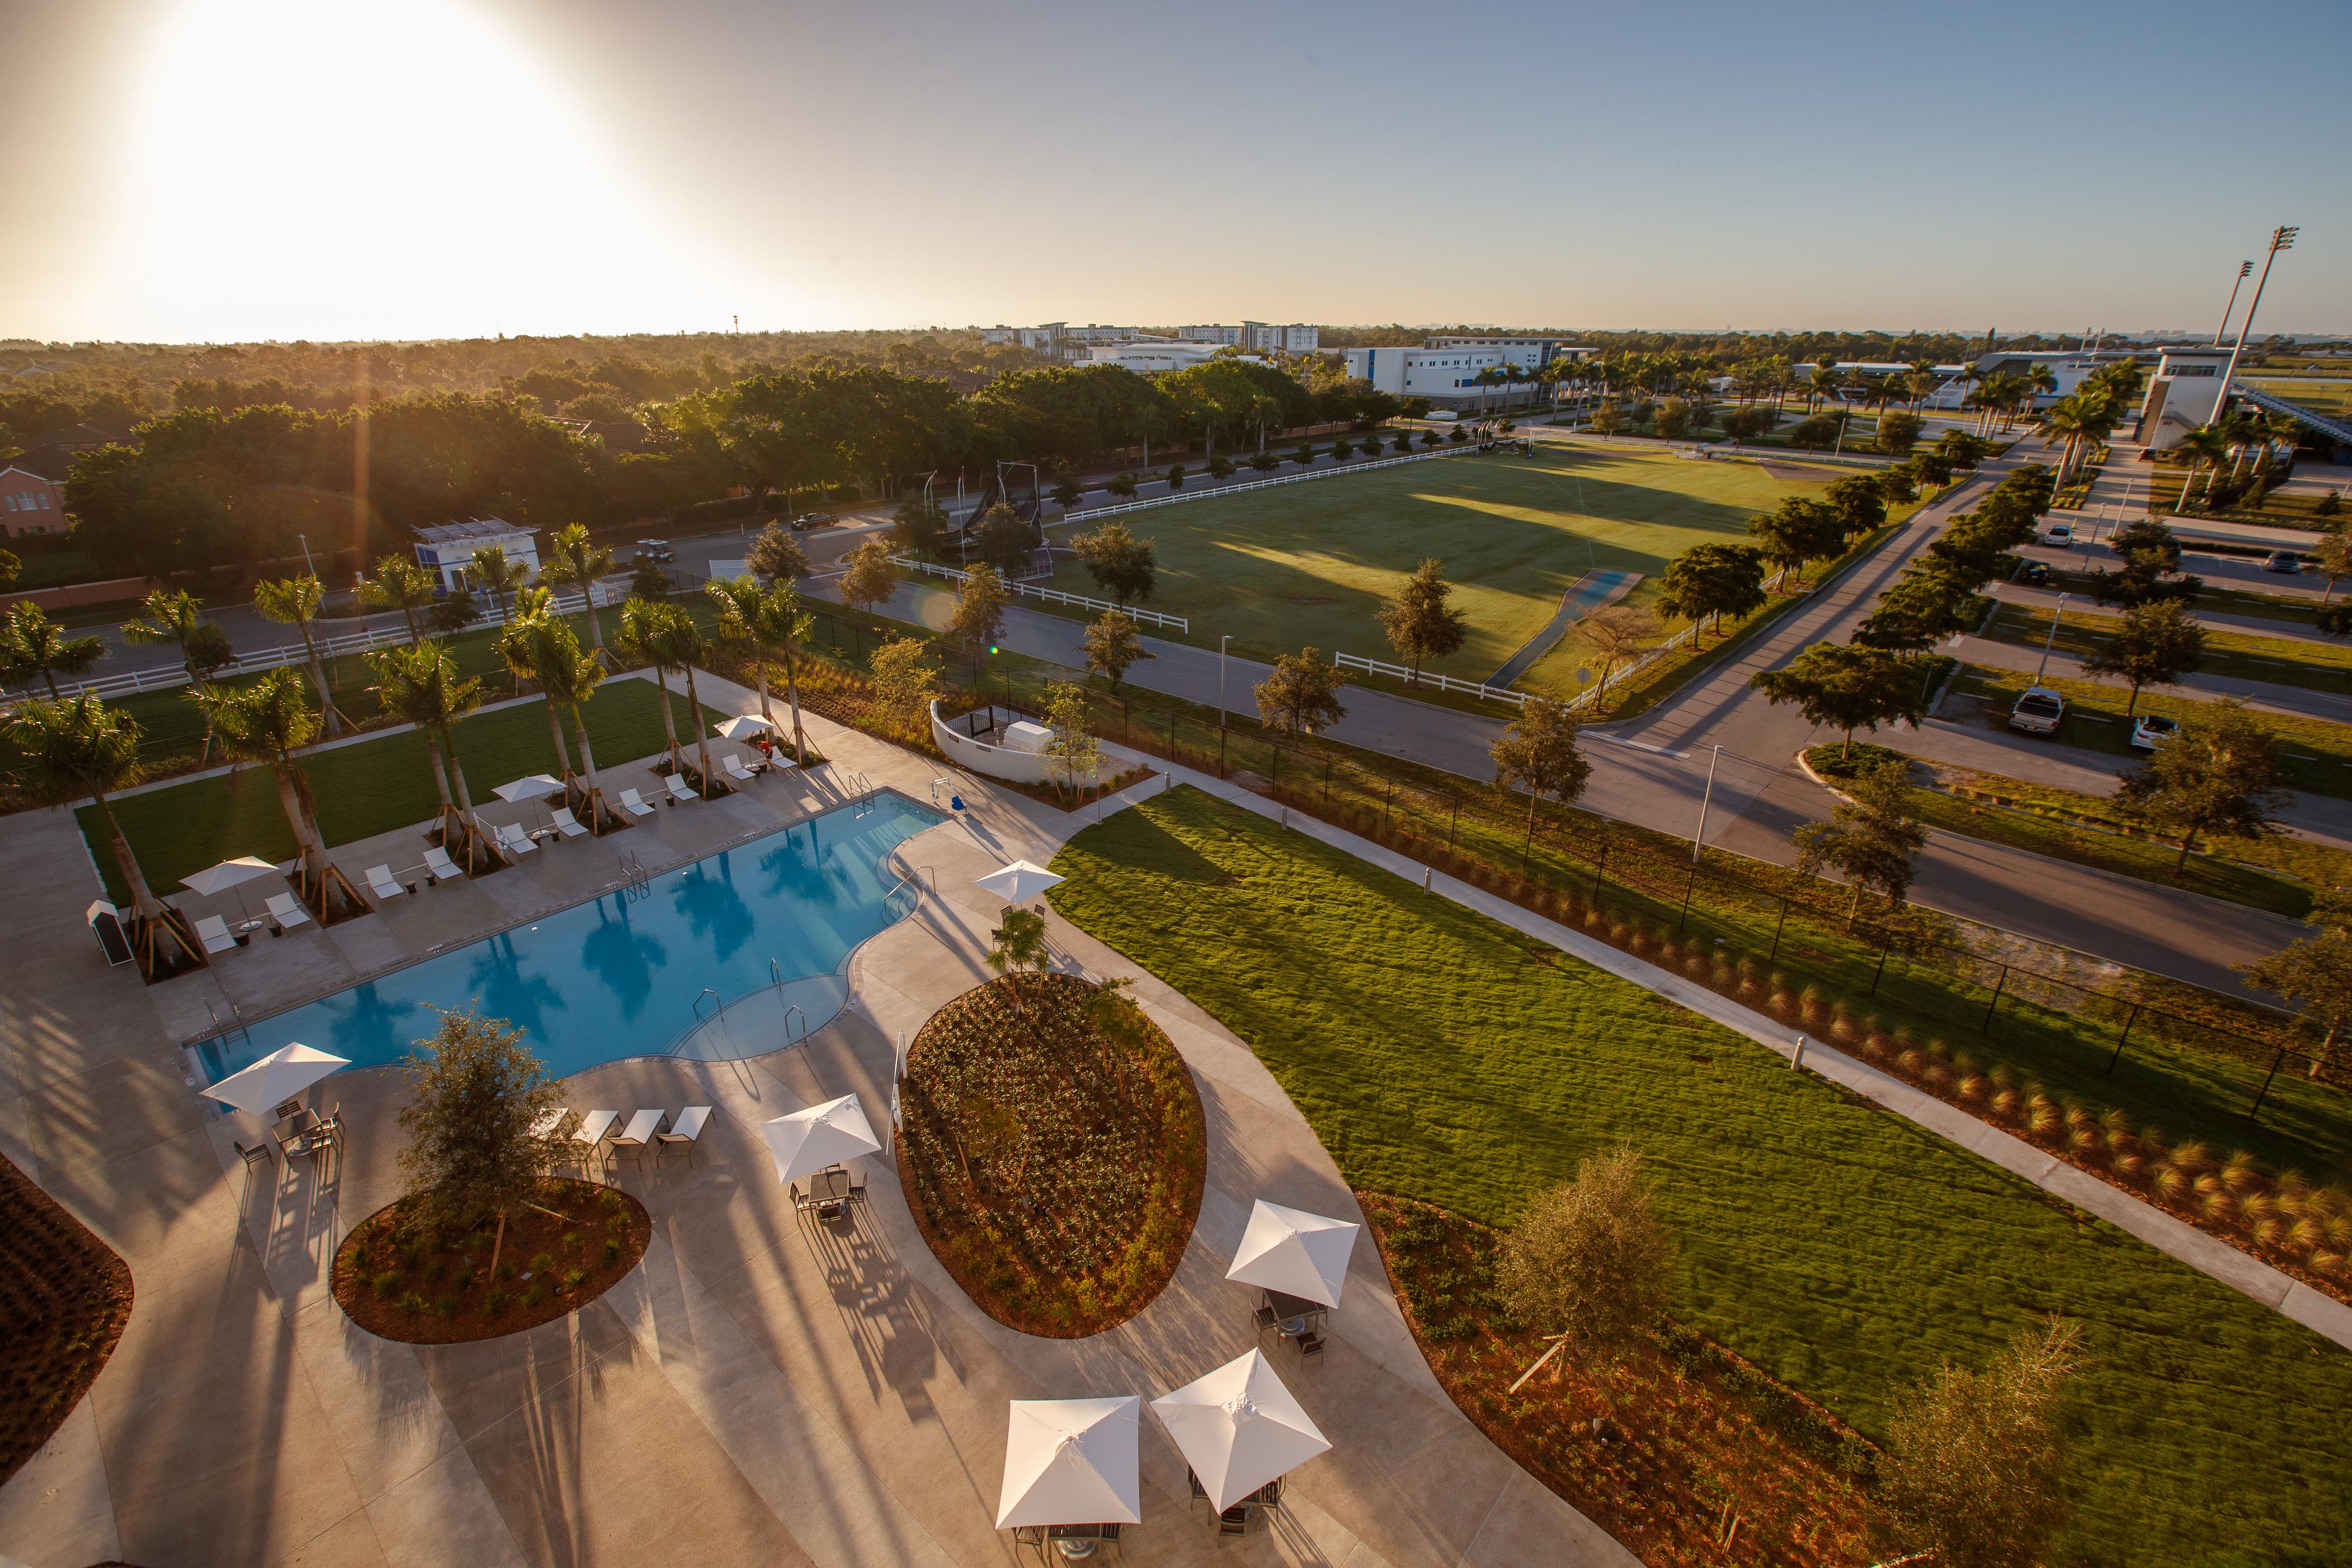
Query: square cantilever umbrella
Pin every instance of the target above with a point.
(287, 1070)
(1297, 1253)
(819, 1138)
(230, 874)
(1073, 1461)
(1017, 883)
(1240, 1426)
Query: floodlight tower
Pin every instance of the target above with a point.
(2245, 270)
(2281, 239)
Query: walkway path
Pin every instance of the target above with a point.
(1593, 591)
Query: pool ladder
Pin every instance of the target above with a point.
(222, 1033)
(634, 880)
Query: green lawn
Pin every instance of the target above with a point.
(1309, 564)
(1440, 1056)
(363, 789)
(2243, 656)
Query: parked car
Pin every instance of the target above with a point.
(2038, 712)
(2284, 562)
(656, 550)
(2034, 573)
(809, 520)
(2150, 731)
(2060, 536)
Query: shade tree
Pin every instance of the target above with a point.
(1847, 688)
(2216, 777)
(1708, 582)
(1122, 566)
(1872, 838)
(1301, 697)
(1419, 624)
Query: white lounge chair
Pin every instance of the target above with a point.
(637, 807)
(288, 913)
(214, 932)
(681, 1135)
(514, 840)
(680, 790)
(564, 819)
(736, 770)
(383, 884)
(438, 866)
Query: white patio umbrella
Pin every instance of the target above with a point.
(537, 787)
(230, 874)
(1294, 1252)
(741, 727)
(810, 1141)
(288, 1069)
(1239, 1427)
(1072, 1461)
(1019, 882)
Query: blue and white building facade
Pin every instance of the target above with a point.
(446, 550)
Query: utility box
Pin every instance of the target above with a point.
(1025, 736)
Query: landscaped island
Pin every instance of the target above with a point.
(1054, 1152)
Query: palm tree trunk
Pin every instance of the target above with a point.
(766, 714)
(475, 837)
(701, 737)
(319, 678)
(144, 901)
(588, 603)
(792, 691)
(601, 814)
(562, 757)
(2188, 840)
(440, 773)
(669, 724)
(306, 847)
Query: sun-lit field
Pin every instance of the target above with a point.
(1281, 569)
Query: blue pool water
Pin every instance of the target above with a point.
(621, 976)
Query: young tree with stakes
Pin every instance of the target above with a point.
(2157, 645)
(1302, 696)
(1872, 839)
(1588, 1263)
(1538, 753)
(1074, 751)
(2216, 777)
(1847, 688)
(1419, 624)
(764, 621)
(1113, 646)
(476, 1096)
(904, 679)
(1122, 566)
(1018, 947)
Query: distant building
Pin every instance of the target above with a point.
(2184, 393)
(32, 493)
(1527, 354)
(2069, 366)
(1227, 337)
(1058, 340)
(447, 549)
(1297, 338)
(1445, 370)
(1150, 356)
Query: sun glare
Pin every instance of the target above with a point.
(382, 170)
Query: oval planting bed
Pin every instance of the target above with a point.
(1052, 1153)
(400, 1279)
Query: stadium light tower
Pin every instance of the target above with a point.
(2245, 270)
(2281, 239)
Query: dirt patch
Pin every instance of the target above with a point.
(401, 1279)
(64, 1299)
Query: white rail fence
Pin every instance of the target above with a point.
(1215, 491)
(1496, 693)
(1052, 596)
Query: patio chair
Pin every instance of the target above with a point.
(291, 1128)
(214, 932)
(1263, 1319)
(514, 840)
(637, 807)
(856, 1190)
(1234, 1521)
(383, 884)
(287, 912)
(683, 1131)
(736, 770)
(629, 1143)
(259, 1154)
(1310, 1344)
(681, 792)
(569, 825)
(438, 866)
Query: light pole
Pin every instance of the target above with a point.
(2281, 239)
(1221, 678)
(1704, 802)
(2057, 615)
(308, 564)
(2245, 270)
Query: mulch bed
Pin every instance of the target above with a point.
(399, 1279)
(1699, 1457)
(1055, 1172)
(64, 1299)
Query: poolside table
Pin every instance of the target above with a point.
(1293, 1315)
(828, 1193)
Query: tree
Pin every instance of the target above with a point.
(570, 677)
(499, 576)
(1221, 467)
(1122, 566)
(2157, 645)
(2316, 972)
(401, 584)
(1121, 485)
(81, 747)
(1112, 646)
(1745, 424)
(649, 579)
(1713, 580)
(1846, 688)
(1420, 623)
(867, 577)
(1922, 609)
(1589, 1262)
(173, 615)
(11, 568)
(979, 619)
(33, 645)
(1068, 492)
(1003, 541)
(1672, 421)
(295, 602)
(1538, 753)
(663, 637)
(1072, 752)
(1615, 634)
(1175, 475)
(764, 621)
(1018, 945)
(525, 643)
(1797, 532)
(575, 562)
(2151, 557)
(2333, 557)
(919, 528)
(2204, 447)
(1870, 840)
(1973, 1474)
(419, 686)
(776, 556)
(1898, 433)
(476, 1099)
(1302, 696)
(268, 722)
(1859, 503)
(1609, 419)
(904, 679)
(455, 613)
(2217, 775)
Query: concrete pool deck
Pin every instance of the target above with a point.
(761, 1390)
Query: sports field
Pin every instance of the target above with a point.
(1308, 563)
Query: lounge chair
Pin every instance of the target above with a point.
(383, 884)
(288, 913)
(681, 1135)
(637, 807)
(629, 1143)
(438, 866)
(680, 790)
(514, 840)
(214, 932)
(736, 770)
(564, 819)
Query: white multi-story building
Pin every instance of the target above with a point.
(1527, 354)
(447, 550)
(2184, 393)
(1446, 370)
(1150, 356)
(1297, 338)
(1221, 336)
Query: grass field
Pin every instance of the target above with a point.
(366, 788)
(2284, 661)
(1440, 1056)
(1309, 564)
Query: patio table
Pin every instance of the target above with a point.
(1292, 1312)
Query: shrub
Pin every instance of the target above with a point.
(538, 1291)
(574, 1277)
(612, 1250)
(542, 1262)
(411, 1302)
(388, 1282)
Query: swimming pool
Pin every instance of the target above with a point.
(622, 974)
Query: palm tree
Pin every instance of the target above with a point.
(173, 615)
(401, 584)
(663, 637)
(418, 684)
(269, 721)
(572, 562)
(533, 638)
(33, 645)
(1820, 386)
(295, 602)
(2206, 447)
(81, 747)
(768, 621)
(499, 576)
(2081, 422)
(571, 678)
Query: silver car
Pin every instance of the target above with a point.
(2038, 712)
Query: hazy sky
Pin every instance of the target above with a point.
(210, 170)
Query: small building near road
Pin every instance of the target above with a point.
(446, 550)
(32, 493)
(2184, 393)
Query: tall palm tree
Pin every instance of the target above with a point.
(295, 602)
(174, 615)
(665, 636)
(572, 562)
(401, 584)
(2206, 447)
(768, 621)
(269, 721)
(33, 645)
(2081, 421)
(418, 684)
(533, 639)
(499, 576)
(81, 747)
(570, 680)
